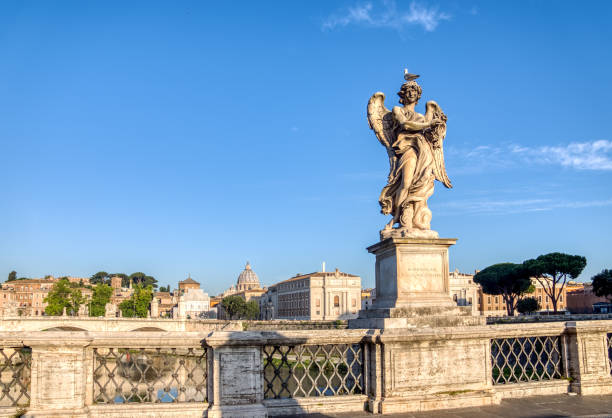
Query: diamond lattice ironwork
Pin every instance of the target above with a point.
(526, 359)
(312, 370)
(15, 375)
(149, 375)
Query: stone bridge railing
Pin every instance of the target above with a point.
(266, 373)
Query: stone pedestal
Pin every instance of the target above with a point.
(59, 375)
(412, 286)
(235, 376)
(589, 365)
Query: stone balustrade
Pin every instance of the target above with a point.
(267, 373)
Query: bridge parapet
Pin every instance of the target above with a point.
(84, 323)
(267, 373)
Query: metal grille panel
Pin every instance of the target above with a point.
(15, 376)
(292, 371)
(526, 359)
(149, 375)
(610, 351)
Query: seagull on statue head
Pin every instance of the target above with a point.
(408, 76)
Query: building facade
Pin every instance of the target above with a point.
(581, 299)
(26, 297)
(314, 296)
(367, 298)
(464, 291)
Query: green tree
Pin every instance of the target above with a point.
(552, 272)
(61, 296)
(528, 305)
(143, 279)
(138, 305)
(12, 276)
(602, 284)
(251, 310)
(99, 277)
(506, 279)
(234, 306)
(100, 297)
(164, 289)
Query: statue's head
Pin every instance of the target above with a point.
(410, 92)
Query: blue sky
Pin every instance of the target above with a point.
(189, 137)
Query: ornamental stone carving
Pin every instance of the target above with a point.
(416, 158)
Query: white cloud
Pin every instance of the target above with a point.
(387, 15)
(594, 155)
(509, 206)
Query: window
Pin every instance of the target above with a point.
(489, 299)
(455, 297)
(470, 301)
(354, 302)
(561, 298)
(540, 298)
(336, 301)
(496, 299)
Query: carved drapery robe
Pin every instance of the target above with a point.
(422, 185)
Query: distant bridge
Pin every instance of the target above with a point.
(74, 323)
(84, 323)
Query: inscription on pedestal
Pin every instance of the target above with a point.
(421, 272)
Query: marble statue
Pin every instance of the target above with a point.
(416, 157)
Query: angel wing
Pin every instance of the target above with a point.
(381, 122)
(435, 138)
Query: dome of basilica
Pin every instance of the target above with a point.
(247, 279)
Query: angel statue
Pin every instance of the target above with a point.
(416, 158)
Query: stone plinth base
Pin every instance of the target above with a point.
(238, 411)
(597, 386)
(436, 402)
(384, 318)
(412, 287)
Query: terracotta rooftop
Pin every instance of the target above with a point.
(189, 280)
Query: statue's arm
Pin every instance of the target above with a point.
(408, 125)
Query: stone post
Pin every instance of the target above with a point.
(373, 362)
(428, 369)
(59, 374)
(235, 383)
(588, 365)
